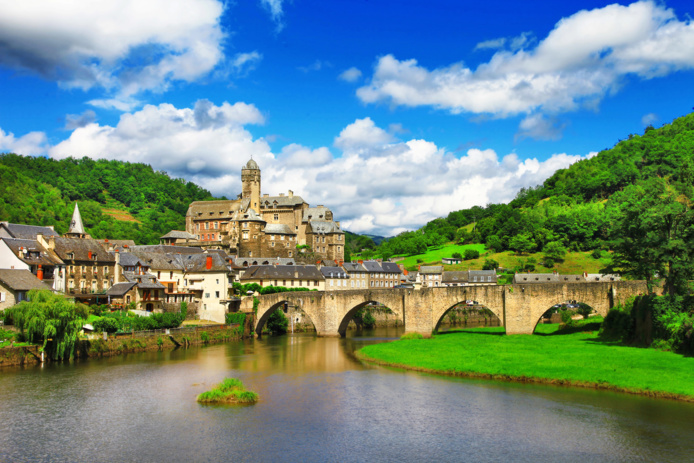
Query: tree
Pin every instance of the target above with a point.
(555, 251)
(653, 232)
(490, 264)
(51, 319)
(471, 254)
(495, 244)
(277, 323)
(457, 255)
(522, 244)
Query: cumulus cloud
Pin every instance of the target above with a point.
(350, 75)
(540, 127)
(31, 144)
(243, 63)
(207, 144)
(374, 183)
(124, 47)
(649, 119)
(583, 58)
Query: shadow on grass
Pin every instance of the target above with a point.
(572, 329)
(474, 331)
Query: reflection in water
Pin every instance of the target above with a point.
(318, 404)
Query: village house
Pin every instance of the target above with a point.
(289, 276)
(429, 276)
(28, 254)
(336, 278)
(358, 275)
(15, 284)
(469, 278)
(177, 237)
(255, 226)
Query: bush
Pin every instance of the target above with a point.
(584, 309)
(471, 254)
(277, 323)
(235, 318)
(549, 262)
(490, 264)
(457, 255)
(184, 309)
(368, 320)
(411, 335)
(597, 254)
(106, 325)
(618, 323)
(566, 316)
(204, 337)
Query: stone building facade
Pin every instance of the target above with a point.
(260, 225)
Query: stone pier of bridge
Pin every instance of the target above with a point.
(519, 307)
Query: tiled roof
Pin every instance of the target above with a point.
(278, 229)
(81, 248)
(353, 267)
(323, 227)
(21, 280)
(145, 281)
(268, 202)
(536, 278)
(119, 289)
(301, 272)
(44, 256)
(455, 277)
(193, 263)
(178, 234)
(592, 277)
(431, 269)
(167, 249)
(27, 232)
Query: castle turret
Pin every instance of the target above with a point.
(76, 227)
(250, 180)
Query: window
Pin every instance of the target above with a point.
(207, 225)
(158, 275)
(216, 294)
(331, 282)
(207, 294)
(315, 282)
(216, 225)
(171, 275)
(245, 235)
(276, 217)
(282, 237)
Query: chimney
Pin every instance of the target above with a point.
(419, 267)
(90, 255)
(117, 267)
(291, 194)
(282, 194)
(209, 263)
(106, 240)
(39, 272)
(342, 262)
(585, 274)
(337, 222)
(360, 261)
(21, 252)
(405, 272)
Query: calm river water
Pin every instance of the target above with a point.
(318, 404)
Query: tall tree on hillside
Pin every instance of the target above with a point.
(653, 231)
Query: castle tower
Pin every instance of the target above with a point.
(250, 180)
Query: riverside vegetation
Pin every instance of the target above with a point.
(229, 391)
(577, 355)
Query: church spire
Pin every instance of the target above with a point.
(76, 226)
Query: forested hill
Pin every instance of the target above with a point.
(118, 200)
(573, 208)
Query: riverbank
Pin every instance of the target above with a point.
(130, 343)
(578, 359)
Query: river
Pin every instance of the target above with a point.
(317, 404)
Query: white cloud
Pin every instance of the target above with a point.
(317, 65)
(243, 63)
(274, 7)
(375, 184)
(491, 44)
(362, 133)
(74, 121)
(350, 75)
(586, 56)
(649, 119)
(124, 47)
(31, 144)
(540, 127)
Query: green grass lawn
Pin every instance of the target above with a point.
(579, 358)
(434, 255)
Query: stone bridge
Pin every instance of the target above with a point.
(519, 307)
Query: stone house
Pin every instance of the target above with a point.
(336, 278)
(264, 226)
(30, 255)
(358, 275)
(177, 237)
(288, 276)
(15, 284)
(429, 276)
(469, 278)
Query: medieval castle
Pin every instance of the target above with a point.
(264, 226)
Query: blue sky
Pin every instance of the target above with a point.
(390, 113)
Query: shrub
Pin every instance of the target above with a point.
(369, 320)
(277, 323)
(457, 255)
(412, 335)
(106, 325)
(471, 254)
(566, 316)
(618, 323)
(597, 254)
(231, 391)
(184, 309)
(204, 337)
(235, 318)
(490, 264)
(549, 262)
(584, 309)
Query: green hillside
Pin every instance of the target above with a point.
(118, 200)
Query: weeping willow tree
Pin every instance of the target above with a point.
(50, 319)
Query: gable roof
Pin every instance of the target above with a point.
(353, 267)
(178, 234)
(44, 257)
(81, 248)
(390, 267)
(278, 229)
(323, 227)
(215, 209)
(282, 201)
(455, 277)
(430, 269)
(373, 266)
(287, 272)
(119, 289)
(316, 213)
(334, 272)
(251, 261)
(27, 232)
(21, 280)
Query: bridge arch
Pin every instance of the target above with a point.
(264, 314)
(349, 314)
(498, 315)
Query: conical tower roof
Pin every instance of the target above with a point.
(76, 226)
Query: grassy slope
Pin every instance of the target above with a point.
(574, 263)
(579, 359)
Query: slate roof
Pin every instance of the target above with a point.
(178, 234)
(599, 277)
(218, 209)
(455, 277)
(278, 229)
(323, 227)
(430, 269)
(120, 289)
(390, 267)
(316, 213)
(21, 280)
(251, 261)
(128, 259)
(334, 272)
(482, 276)
(353, 267)
(193, 263)
(546, 278)
(372, 266)
(116, 244)
(81, 247)
(250, 216)
(45, 257)
(27, 232)
(287, 272)
(282, 201)
(167, 249)
(145, 281)
(76, 225)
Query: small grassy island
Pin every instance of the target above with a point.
(229, 391)
(574, 356)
